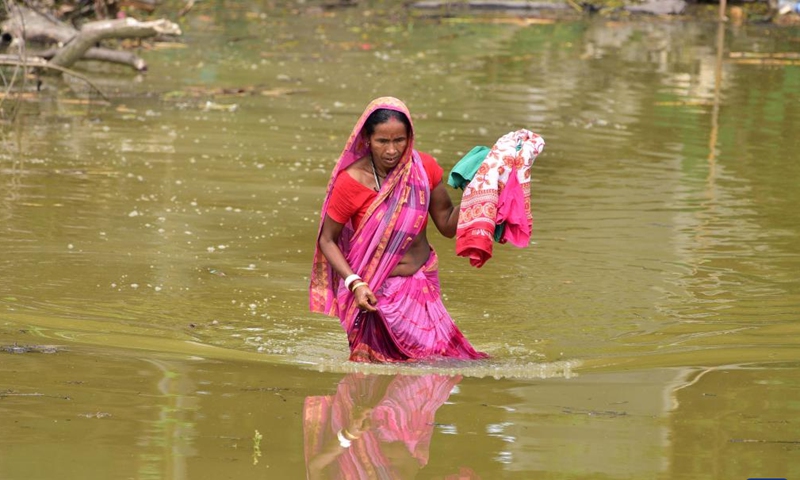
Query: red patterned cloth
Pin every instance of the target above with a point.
(499, 193)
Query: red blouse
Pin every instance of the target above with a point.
(350, 199)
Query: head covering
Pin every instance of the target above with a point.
(356, 146)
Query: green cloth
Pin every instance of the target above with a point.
(467, 167)
(464, 171)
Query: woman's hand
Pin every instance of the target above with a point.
(365, 299)
(359, 423)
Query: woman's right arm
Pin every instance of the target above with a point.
(329, 246)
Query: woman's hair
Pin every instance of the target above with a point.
(383, 115)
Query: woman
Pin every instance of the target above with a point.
(373, 265)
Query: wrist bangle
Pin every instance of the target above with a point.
(359, 284)
(349, 435)
(350, 279)
(343, 442)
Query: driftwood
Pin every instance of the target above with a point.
(121, 57)
(94, 32)
(71, 45)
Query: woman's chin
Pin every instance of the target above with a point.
(390, 164)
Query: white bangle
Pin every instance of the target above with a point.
(343, 442)
(350, 279)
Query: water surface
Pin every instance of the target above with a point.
(163, 241)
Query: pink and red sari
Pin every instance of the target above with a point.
(411, 322)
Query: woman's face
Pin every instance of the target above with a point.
(388, 143)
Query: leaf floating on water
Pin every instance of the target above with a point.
(214, 271)
(212, 106)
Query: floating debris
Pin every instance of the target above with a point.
(95, 415)
(212, 106)
(16, 348)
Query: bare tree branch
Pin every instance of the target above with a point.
(93, 32)
(121, 57)
(25, 25)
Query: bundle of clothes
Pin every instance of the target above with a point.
(496, 205)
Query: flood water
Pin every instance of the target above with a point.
(161, 244)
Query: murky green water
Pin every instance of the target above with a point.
(163, 241)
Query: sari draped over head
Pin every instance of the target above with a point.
(411, 322)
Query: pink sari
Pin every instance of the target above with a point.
(411, 322)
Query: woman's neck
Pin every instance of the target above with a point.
(374, 167)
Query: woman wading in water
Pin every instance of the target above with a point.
(373, 265)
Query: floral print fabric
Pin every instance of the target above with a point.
(499, 194)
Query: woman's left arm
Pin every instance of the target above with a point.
(443, 212)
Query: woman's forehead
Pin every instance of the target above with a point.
(390, 128)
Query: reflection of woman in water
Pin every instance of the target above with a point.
(375, 426)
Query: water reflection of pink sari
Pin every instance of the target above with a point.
(397, 432)
(411, 322)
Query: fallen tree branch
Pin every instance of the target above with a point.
(31, 26)
(93, 32)
(121, 57)
(27, 25)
